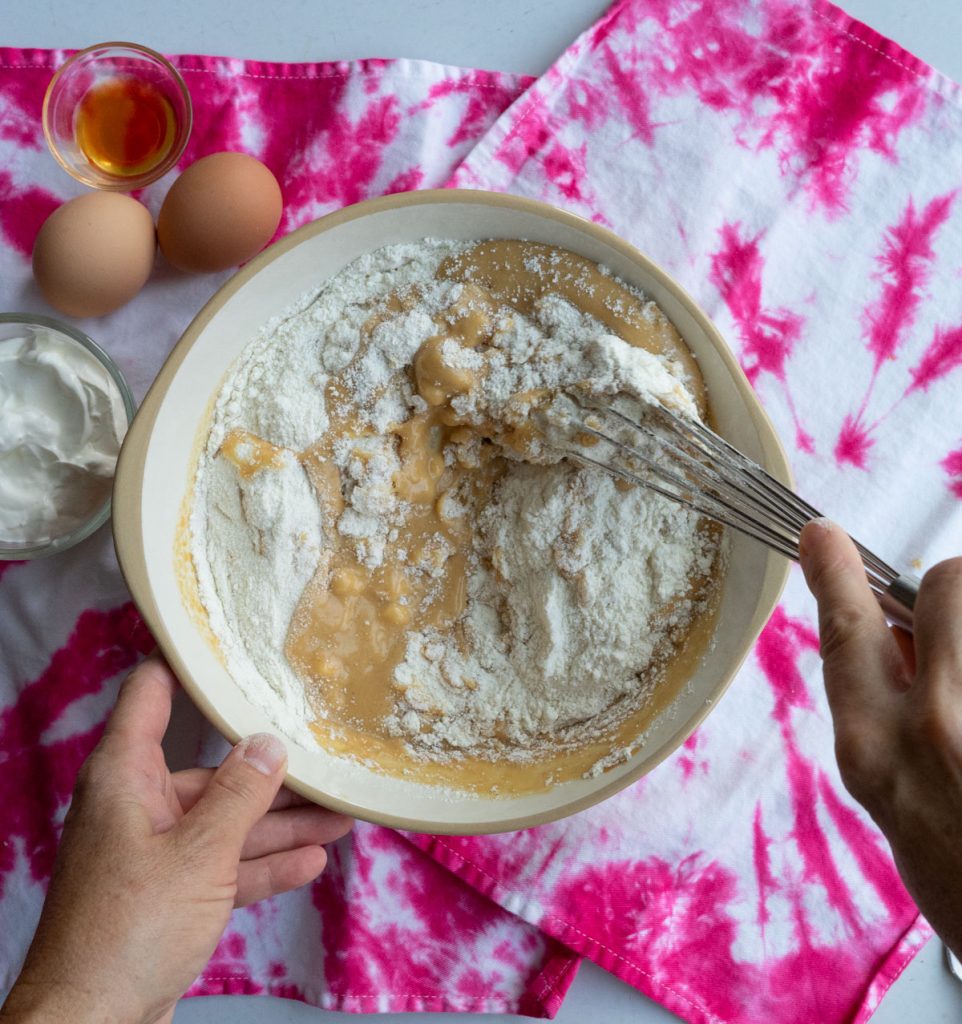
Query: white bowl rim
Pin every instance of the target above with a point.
(129, 479)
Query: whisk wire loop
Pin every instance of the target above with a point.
(686, 462)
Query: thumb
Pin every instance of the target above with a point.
(240, 792)
(856, 645)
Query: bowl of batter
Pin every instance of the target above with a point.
(343, 523)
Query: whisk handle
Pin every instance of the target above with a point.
(898, 601)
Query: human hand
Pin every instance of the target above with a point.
(151, 864)
(896, 703)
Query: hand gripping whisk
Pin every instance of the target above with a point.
(685, 461)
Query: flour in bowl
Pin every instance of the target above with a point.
(394, 560)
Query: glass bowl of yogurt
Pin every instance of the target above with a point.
(64, 411)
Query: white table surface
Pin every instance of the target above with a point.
(510, 35)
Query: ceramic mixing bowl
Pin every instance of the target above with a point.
(157, 464)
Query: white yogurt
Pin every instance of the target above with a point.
(62, 419)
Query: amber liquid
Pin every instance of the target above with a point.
(125, 126)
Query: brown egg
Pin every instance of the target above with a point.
(94, 253)
(220, 212)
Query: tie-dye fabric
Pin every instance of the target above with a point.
(799, 174)
(795, 171)
(385, 928)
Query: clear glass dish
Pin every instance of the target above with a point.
(13, 325)
(73, 94)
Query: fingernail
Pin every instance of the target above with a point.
(821, 524)
(263, 751)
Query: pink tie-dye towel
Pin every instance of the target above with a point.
(385, 928)
(794, 170)
(800, 175)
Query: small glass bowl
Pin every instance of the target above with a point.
(14, 325)
(94, 66)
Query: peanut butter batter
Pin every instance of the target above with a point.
(350, 628)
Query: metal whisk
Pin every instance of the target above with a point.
(705, 473)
